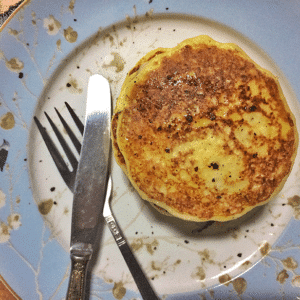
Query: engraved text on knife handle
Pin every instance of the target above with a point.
(76, 289)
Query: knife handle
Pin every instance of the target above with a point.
(76, 288)
(138, 275)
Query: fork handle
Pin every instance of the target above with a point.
(134, 267)
(76, 289)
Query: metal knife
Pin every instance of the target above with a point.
(90, 183)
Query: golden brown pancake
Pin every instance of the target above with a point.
(203, 132)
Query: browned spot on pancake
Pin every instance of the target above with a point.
(156, 53)
(139, 64)
(134, 70)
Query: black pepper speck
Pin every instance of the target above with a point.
(189, 118)
(215, 166)
(212, 116)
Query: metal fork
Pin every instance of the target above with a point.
(69, 177)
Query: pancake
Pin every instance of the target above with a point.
(203, 132)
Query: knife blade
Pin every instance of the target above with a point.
(90, 183)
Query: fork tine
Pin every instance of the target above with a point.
(77, 121)
(72, 136)
(57, 158)
(63, 143)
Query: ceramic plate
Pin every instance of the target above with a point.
(47, 53)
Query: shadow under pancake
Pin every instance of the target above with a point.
(190, 229)
(204, 229)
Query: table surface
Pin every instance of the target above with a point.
(8, 8)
